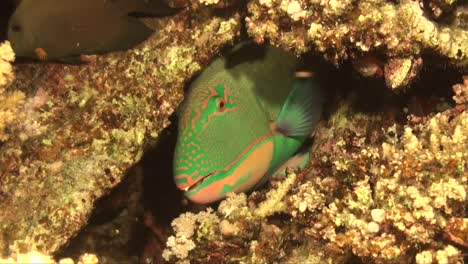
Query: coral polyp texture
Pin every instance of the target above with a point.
(383, 192)
(68, 133)
(375, 189)
(35, 257)
(399, 31)
(10, 101)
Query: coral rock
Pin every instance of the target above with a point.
(83, 126)
(342, 30)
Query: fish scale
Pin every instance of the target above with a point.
(63, 30)
(226, 141)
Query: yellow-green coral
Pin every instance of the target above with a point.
(307, 198)
(189, 228)
(35, 257)
(234, 206)
(87, 124)
(384, 193)
(382, 23)
(7, 56)
(275, 201)
(447, 255)
(233, 217)
(11, 102)
(420, 182)
(342, 30)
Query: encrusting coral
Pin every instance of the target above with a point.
(10, 102)
(7, 56)
(234, 220)
(69, 132)
(379, 191)
(384, 193)
(340, 30)
(35, 257)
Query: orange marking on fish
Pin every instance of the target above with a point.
(189, 177)
(193, 144)
(40, 53)
(191, 182)
(256, 164)
(251, 145)
(226, 90)
(197, 116)
(204, 105)
(213, 93)
(185, 175)
(186, 120)
(212, 115)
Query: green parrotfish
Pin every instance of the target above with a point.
(63, 30)
(244, 117)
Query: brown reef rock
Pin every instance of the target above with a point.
(375, 189)
(69, 133)
(397, 32)
(77, 129)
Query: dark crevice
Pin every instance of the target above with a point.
(6, 10)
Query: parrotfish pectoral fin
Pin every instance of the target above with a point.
(295, 122)
(302, 109)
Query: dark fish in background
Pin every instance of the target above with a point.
(63, 30)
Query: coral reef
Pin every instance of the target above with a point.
(34, 257)
(7, 56)
(375, 189)
(78, 128)
(399, 32)
(114, 232)
(10, 102)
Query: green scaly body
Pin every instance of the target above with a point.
(226, 141)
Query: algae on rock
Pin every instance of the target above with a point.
(10, 102)
(342, 30)
(79, 128)
(379, 191)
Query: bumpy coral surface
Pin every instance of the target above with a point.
(398, 31)
(10, 102)
(78, 128)
(374, 189)
(34, 257)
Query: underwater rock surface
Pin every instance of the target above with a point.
(376, 189)
(381, 191)
(77, 129)
(397, 32)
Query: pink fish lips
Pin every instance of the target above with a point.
(190, 182)
(227, 140)
(192, 185)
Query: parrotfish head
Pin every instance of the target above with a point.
(218, 123)
(227, 140)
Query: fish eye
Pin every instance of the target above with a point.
(16, 28)
(221, 104)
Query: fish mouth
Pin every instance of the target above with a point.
(199, 182)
